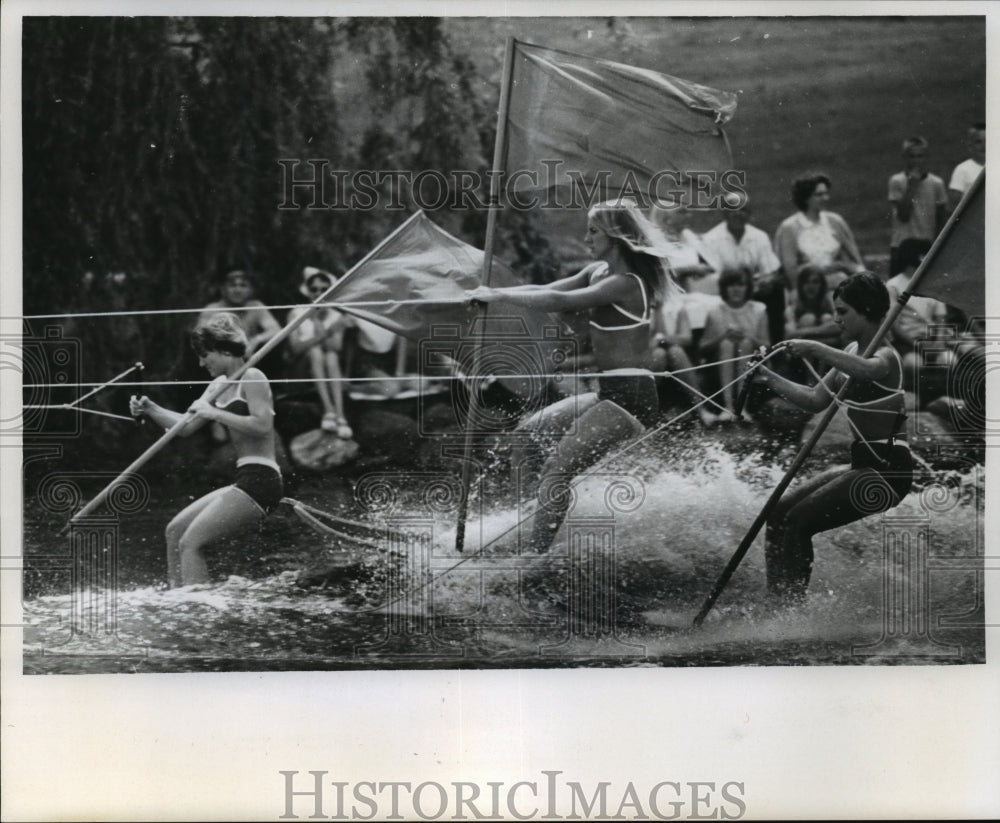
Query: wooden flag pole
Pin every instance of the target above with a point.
(499, 152)
(254, 359)
(831, 410)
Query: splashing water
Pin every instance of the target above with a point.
(621, 584)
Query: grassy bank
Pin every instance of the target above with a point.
(837, 94)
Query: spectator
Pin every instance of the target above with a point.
(918, 200)
(236, 293)
(697, 276)
(733, 244)
(733, 330)
(315, 347)
(376, 359)
(815, 235)
(917, 319)
(671, 340)
(967, 171)
(810, 316)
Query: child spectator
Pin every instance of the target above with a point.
(734, 243)
(811, 314)
(918, 200)
(671, 340)
(733, 330)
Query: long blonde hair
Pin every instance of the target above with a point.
(642, 243)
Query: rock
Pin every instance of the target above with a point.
(775, 414)
(380, 432)
(836, 438)
(318, 450)
(958, 415)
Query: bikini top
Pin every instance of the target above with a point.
(236, 404)
(637, 321)
(864, 392)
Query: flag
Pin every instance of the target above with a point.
(423, 263)
(955, 271)
(595, 115)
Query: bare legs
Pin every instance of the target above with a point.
(543, 430)
(675, 359)
(324, 367)
(598, 429)
(834, 498)
(728, 350)
(224, 512)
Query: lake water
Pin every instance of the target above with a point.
(643, 545)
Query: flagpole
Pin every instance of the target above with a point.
(499, 152)
(254, 359)
(831, 410)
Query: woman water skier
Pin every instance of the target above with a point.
(881, 469)
(620, 294)
(245, 408)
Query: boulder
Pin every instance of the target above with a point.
(319, 450)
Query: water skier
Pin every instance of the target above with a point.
(245, 408)
(881, 469)
(620, 298)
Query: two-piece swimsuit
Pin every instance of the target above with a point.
(634, 390)
(890, 458)
(259, 478)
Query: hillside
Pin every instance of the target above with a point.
(835, 94)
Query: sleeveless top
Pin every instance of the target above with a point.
(236, 404)
(867, 395)
(636, 320)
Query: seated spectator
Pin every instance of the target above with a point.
(918, 318)
(815, 235)
(734, 243)
(734, 329)
(810, 316)
(236, 295)
(671, 338)
(696, 275)
(375, 358)
(315, 347)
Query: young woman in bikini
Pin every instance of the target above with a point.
(619, 292)
(245, 408)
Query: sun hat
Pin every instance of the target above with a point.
(308, 273)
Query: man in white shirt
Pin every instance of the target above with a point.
(967, 171)
(735, 244)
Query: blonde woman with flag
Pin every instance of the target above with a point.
(619, 291)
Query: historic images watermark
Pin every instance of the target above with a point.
(49, 366)
(312, 184)
(549, 796)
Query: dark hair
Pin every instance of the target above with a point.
(737, 275)
(234, 271)
(803, 188)
(221, 332)
(866, 294)
(910, 252)
(807, 271)
(915, 142)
